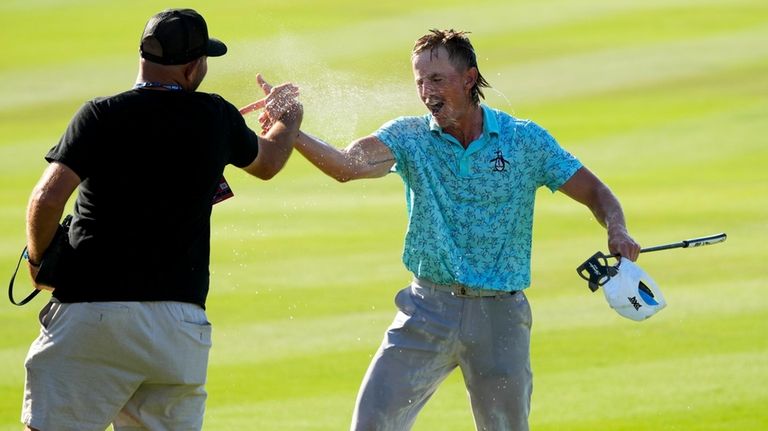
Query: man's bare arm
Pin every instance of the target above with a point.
(367, 157)
(285, 113)
(276, 145)
(587, 189)
(45, 207)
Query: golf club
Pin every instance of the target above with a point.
(596, 270)
(694, 242)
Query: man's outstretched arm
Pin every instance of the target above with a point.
(367, 157)
(275, 145)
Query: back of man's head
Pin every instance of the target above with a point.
(178, 36)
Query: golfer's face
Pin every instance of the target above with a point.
(441, 87)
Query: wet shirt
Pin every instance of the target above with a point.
(470, 211)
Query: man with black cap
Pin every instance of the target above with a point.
(125, 338)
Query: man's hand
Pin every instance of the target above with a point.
(280, 102)
(33, 270)
(280, 123)
(619, 242)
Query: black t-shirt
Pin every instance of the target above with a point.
(150, 162)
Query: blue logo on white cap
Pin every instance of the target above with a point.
(645, 294)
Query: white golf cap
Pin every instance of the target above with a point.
(633, 293)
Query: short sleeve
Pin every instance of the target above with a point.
(557, 165)
(244, 142)
(76, 147)
(391, 135)
(401, 135)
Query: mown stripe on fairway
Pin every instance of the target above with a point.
(609, 69)
(501, 22)
(687, 149)
(295, 338)
(80, 81)
(673, 333)
(631, 392)
(581, 120)
(741, 415)
(689, 293)
(330, 373)
(323, 412)
(618, 27)
(15, 355)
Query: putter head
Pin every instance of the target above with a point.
(596, 270)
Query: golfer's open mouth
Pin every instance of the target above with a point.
(435, 107)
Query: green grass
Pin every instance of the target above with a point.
(664, 100)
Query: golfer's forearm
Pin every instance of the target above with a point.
(607, 210)
(329, 159)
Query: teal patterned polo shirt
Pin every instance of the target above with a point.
(470, 211)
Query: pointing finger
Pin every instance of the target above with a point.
(263, 84)
(255, 106)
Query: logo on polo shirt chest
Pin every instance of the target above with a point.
(499, 163)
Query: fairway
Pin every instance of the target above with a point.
(666, 101)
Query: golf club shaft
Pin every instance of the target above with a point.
(694, 242)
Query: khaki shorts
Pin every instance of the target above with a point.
(136, 365)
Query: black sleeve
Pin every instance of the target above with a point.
(245, 142)
(75, 148)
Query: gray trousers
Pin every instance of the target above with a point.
(435, 331)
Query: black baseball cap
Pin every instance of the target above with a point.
(178, 36)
